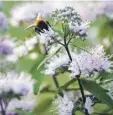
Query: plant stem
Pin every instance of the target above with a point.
(81, 90)
(46, 52)
(55, 81)
(82, 93)
(67, 49)
(2, 109)
(79, 82)
(68, 83)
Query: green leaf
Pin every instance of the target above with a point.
(105, 77)
(45, 105)
(79, 113)
(98, 91)
(48, 57)
(102, 108)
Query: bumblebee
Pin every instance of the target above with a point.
(40, 25)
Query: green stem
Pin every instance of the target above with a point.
(81, 90)
(46, 52)
(82, 93)
(67, 49)
(68, 83)
(79, 82)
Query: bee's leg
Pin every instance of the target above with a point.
(37, 30)
(42, 31)
(48, 23)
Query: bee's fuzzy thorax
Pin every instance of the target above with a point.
(38, 20)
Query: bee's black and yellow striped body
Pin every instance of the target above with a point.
(41, 26)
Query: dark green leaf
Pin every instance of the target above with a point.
(98, 91)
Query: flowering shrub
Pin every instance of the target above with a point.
(54, 68)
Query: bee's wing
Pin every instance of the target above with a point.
(39, 16)
(32, 25)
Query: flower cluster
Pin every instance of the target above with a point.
(56, 62)
(16, 92)
(66, 14)
(27, 103)
(88, 105)
(6, 47)
(87, 63)
(18, 84)
(79, 30)
(22, 50)
(3, 22)
(64, 105)
(47, 37)
(75, 22)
